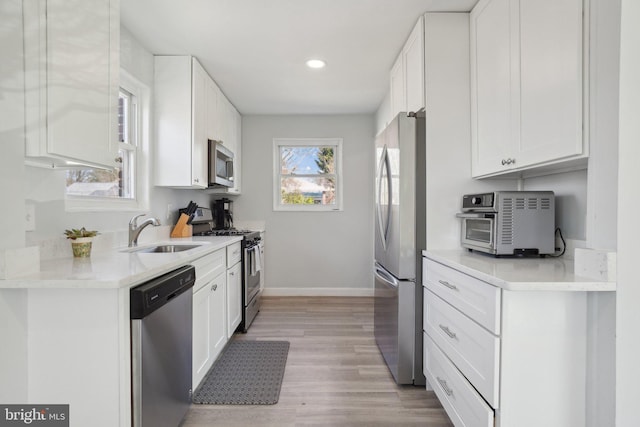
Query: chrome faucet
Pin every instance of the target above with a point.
(135, 229)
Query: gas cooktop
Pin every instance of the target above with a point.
(228, 232)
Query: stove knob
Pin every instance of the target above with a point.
(476, 200)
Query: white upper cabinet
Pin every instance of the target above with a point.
(413, 54)
(182, 96)
(190, 110)
(407, 74)
(397, 88)
(526, 85)
(228, 132)
(71, 82)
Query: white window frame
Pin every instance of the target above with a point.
(310, 142)
(142, 94)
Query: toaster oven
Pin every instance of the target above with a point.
(509, 222)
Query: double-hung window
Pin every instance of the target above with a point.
(118, 188)
(307, 174)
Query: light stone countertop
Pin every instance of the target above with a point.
(116, 268)
(520, 274)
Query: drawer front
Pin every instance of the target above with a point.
(463, 404)
(475, 298)
(472, 349)
(234, 254)
(208, 267)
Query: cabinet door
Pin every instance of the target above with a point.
(212, 110)
(413, 53)
(234, 298)
(397, 90)
(72, 87)
(199, 146)
(201, 334)
(217, 307)
(491, 86)
(550, 81)
(237, 164)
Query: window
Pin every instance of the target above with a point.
(103, 189)
(307, 174)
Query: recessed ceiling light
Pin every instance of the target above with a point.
(316, 63)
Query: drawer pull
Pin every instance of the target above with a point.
(444, 386)
(448, 331)
(448, 285)
(214, 287)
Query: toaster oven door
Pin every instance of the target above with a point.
(478, 232)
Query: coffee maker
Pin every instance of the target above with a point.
(223, 214)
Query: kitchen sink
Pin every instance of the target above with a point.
(168, 248)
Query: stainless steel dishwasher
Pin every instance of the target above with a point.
(161, 331)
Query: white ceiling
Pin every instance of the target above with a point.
(256, 49)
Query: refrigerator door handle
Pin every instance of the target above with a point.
(384, 225)
(383, 275)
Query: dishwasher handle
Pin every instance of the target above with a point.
(150, 296)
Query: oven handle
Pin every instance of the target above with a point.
(474, 215)
(249, 256)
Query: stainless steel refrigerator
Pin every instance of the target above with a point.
(400, 237)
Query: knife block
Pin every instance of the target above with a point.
(182, 229)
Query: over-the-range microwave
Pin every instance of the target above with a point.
(220, 165)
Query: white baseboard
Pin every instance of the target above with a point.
(317, 292)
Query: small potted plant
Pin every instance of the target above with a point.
(81, 241)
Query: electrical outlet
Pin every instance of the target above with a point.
(169, 211)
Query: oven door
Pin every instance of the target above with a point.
(252, 267)
(478, 231)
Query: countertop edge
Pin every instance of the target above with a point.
(572, 282)
(48, 280)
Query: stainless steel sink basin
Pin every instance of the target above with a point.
(169, 248)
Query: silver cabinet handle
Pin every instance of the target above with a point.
(444, 386)
(231, 273)
(448, 331)
(448, 285)
(508, 161)
(214, 287)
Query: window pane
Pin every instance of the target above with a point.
(117, 183)
(126, 174)
(306, 160)
(307, 191)
(93, 182)
(123, 116)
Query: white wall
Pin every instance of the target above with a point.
(11, 126)
(308, 252)
(448, 128)
(570, 189)
(628, 291)
(13, 303)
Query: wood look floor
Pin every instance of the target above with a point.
(335, 375)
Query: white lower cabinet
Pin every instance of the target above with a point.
(234, 298)
(510, 357)
(209, 313)
(474, 350)
(462, 402)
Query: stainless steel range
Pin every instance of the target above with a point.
(251, 261)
